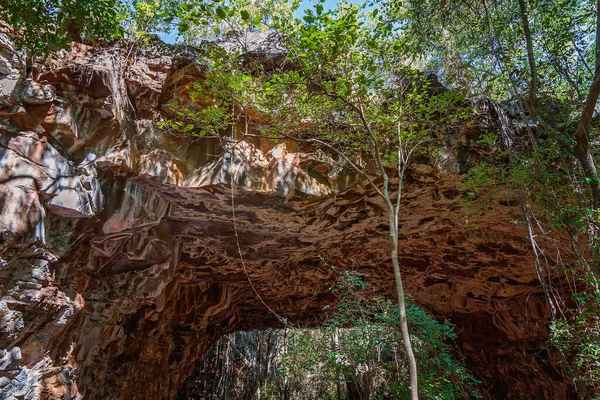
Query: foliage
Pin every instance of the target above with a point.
(580, 337)
(43, 26)
(348, 85)
(342, 70)
(199, 21)
(481, 45)
(220, 101)
(355, 353)
(146, 17)
(340, 86)
(360, 346)
(242, 365)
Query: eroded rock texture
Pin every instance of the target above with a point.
(119, 257)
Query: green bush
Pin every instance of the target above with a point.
(359, 349)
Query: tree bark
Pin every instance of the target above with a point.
(597, 49)
(412, 364)
(336, 348)
(582, 151)
(533, 83)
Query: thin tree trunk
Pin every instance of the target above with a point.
(336, 348)
(533, 83)
(256, 367)
(597, 49)
(582, 151)
(412, 363)
(393, 229)
(216, 373)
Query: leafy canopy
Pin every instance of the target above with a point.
(44, 26)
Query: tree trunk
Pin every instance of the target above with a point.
(412, 364)
(582, 151)
(597, 49)
(336, 348)
(533, 83)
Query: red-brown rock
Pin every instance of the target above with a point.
(114, 282)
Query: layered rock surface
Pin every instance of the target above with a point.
(122, 260)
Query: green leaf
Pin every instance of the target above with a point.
(221, 13)
(245, 15)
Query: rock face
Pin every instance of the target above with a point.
(122, 260)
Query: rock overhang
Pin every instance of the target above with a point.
(149, 273)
